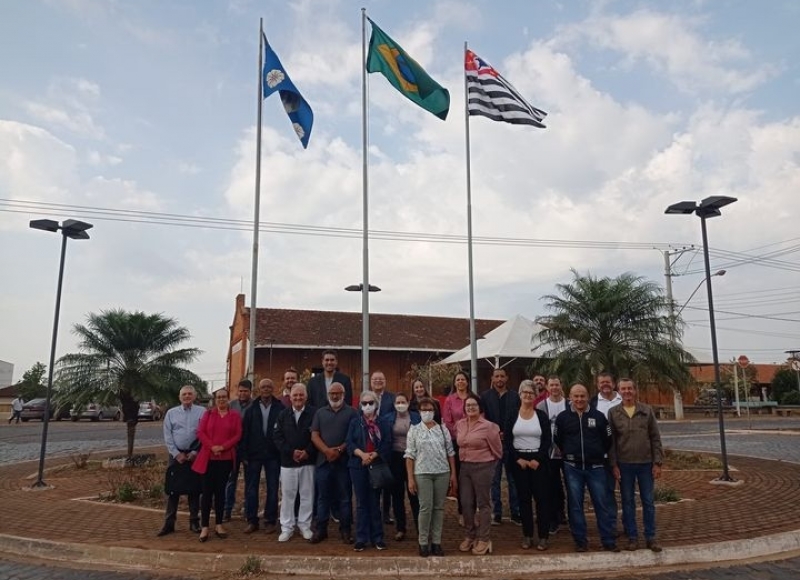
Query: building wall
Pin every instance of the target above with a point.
(6, 374)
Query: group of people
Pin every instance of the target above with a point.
(321, 452)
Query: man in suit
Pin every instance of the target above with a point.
(258, 452)
(377, 384)
(319, 384)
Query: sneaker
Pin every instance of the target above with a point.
(542, 545)
(335, 519)
(553, 530)
(380, 546)
(285, 536)
(497, 520)
(516, 520)
(633, 545)
(359, 547)
(653, 545)
(307, 534)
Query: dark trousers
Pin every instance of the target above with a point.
(555, 476)
(252, 481)
(369, 525)
(513, 502)
(15, 415)
(172, 506)
(399, 490)
(533, 487)
(458, 475)
(332, 481)
(214, 481)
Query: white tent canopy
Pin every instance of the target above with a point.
(511, 340)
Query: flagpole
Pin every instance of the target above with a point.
(473, 344)
(365, 241)
(251, 353)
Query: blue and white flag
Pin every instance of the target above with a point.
(275, 78)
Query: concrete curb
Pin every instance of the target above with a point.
(454, 565)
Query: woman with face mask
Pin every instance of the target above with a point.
(431, 472)
(401, 419)
(480, 448)
(369, 440)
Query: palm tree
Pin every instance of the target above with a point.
(619, 325)
(127, 357)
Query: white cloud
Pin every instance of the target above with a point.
(78, 122)
(96, 158)
(672, 44)
(188, 168)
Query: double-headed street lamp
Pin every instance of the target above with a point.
(75, 230)
(708, 208)
(364, 328)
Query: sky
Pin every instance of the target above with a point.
(140, 118)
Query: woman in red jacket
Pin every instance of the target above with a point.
(219, 431)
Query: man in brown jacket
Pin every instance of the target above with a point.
(636, 455)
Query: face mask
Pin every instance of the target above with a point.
(427, 416)
(401, 407)
(335, 403)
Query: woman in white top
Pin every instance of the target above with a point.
(431, 471)
(527, 440)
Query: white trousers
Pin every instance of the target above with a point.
(294, 481)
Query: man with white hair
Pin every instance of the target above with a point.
(180, 437)
(332, 477)
(293, 439)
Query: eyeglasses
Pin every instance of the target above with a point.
(472, 406)
(527, 393)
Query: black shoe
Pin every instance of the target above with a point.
(610, 547)
(226, 517)
(380, 546)
(581, 548)
(194, 527)
(359, 547)
(166, 530)
(497, 520)
(424, 551)
(388, 521)
(318, 537)
(347, 538)
(436, 550)
(517, 520)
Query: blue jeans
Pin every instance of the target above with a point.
(369, 522)
(230, 487)
(643, 474)
(578, 480)
(513, 501)
(252, 479)
(332, 481)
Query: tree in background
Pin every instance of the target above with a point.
(784, 387)
(619, 325)
(438, 378)
(127, 357)
(33, 384)
(729, 384)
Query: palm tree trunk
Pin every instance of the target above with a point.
(131, 437)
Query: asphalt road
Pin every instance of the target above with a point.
(22, 442)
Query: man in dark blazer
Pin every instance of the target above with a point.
(318, 385)
(258, 452)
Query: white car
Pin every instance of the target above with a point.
(96, 412)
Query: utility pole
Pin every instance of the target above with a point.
(677, 396)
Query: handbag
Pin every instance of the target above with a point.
(380, 476)
(181, 480)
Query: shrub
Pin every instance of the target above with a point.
(130, 483)
(126, 492)
(790, 398)
(666, 494)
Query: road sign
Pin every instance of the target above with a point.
(796, 365)
(743, 361)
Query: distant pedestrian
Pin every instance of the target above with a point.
(16, 409)
(636, 456)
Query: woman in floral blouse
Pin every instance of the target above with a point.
(431, 471)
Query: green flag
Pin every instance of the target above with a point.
(386, 57)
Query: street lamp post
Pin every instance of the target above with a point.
(75, 230)
(708, 208)
(364, 328)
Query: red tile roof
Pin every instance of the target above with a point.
(320, 329)
(704, 372)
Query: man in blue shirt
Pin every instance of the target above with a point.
(180, 435)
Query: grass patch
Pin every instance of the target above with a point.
(251, 566)
(666, 494)
(688, 461)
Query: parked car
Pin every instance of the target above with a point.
(150, 411)
(34, 409)
(96, 412)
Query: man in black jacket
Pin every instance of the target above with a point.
(500, 403)
(298, 454)
(258, 452)
(584, 437)
(319, 384)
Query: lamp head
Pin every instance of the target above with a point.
(682, 207)
(46, 225)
